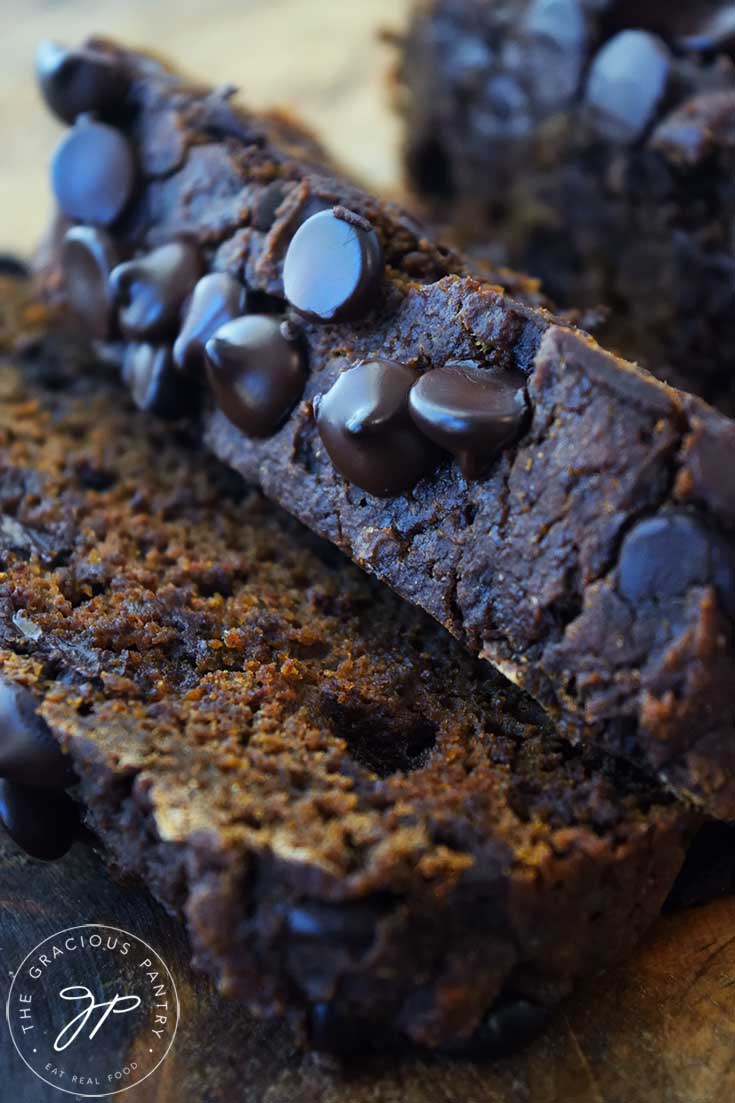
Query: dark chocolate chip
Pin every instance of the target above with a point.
(665, 556)
(554, 47)
(715, 32)
(559, 21)
(626, 83)
(155, 384)
(511, 1024)
(701, 26)
(333, 267)
(93, 173)
(216, 299)
(151, 289)
(29, 754)
(74, 82)
(366, 427)
(88, 256)
(256, 374)
(471, 413)
(41, 823)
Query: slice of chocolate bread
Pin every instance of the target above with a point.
(564, 514)
(364, 827)
(592, 144)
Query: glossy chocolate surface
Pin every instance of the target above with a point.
(333, 267)
(88, 256)
(29, 754)
(367, 429)
(150, 290)
(93, 173)
(626, 83)
(155, 384)
(216, 299)
(470, 412)
(75, 82)
(256, 373)
(41, 823)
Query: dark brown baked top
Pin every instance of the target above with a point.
(593, 145)
(542, 523)
(360, 822)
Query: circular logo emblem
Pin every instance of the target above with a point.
(93, 1010)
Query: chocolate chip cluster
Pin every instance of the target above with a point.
(384, 424)
(35, 810)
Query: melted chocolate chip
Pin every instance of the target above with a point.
(155, 384)
(93, 173)
(471, 413)
(41, 823)
(333, 267)
(366, 427)
(74, 82)
(151, 290)
(87, 259)
(663, 557)
(256, 374)
(626, 83)
(29, 754)
(216, 299)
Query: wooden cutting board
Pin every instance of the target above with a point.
(659, 1029)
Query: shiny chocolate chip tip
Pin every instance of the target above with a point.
(74, 82)
(151, 289)
(216, 299)
(257, 375)
(29, 753)
(470, 412)
(365, 426)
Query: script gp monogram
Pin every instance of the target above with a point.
(109, 1007)
(92, 1010)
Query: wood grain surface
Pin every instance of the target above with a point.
(659, 1029)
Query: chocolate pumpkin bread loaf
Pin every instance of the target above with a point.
(562, 513)
(364, 827)
(592, 144)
